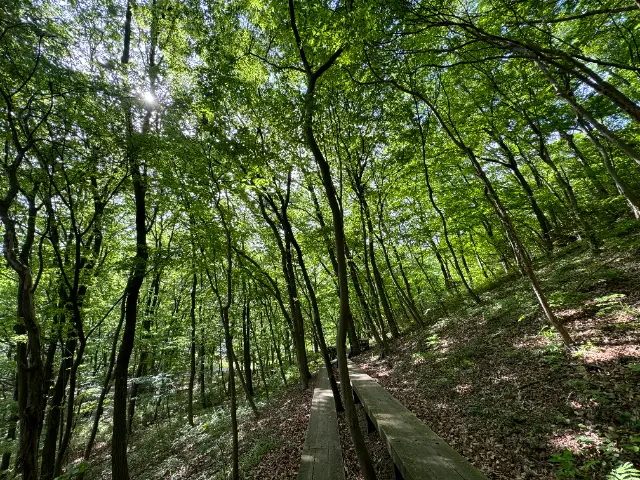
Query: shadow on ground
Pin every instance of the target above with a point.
(496, 383)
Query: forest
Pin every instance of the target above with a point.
(205, 202)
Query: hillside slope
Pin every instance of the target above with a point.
(496, 383)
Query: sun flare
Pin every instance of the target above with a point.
(149, 97)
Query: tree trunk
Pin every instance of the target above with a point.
(566, 187)
(11, 430)
(105, 387)
(479, 260)
(393, 326)
(30, 379)
(412, 303)
(631, 197)
(364, 459)
(580, 111)
(318, 325)
(504, 217)
(246, 346)
(73, 375)
(347, 394)
(545, 226)
(249, 397)
(232, 394)
(437, 293)
(368, 232)
(381, 340)
(375, 300)
(143, 364)
(586, 166)
(119, 465)
(223, 382)
(351, 328)
(276, 347)
(439, 212)
(518, 248)
(260, 362)
(201, 358)
(192, 351)
(224, 309)
(404, 298)
(47, 465)
(299, 341)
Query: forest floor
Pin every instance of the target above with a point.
(496, 383)
(498, 386)
(270, 446)
(492, 379)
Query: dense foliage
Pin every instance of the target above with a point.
(203, 194)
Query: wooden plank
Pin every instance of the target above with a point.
(322, 455)
(416, 450)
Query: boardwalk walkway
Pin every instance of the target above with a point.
(417, 452)
(321, 454)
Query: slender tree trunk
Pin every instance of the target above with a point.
(393, 326)
(446, 276)
(246, 346)
(105, 387)
(318, 326)
(364, 459)
(249, 397)
(260, 362)
(631, 197)
(119, 465)
(580, 111)
(224, 309)
(277, 350)
(586, 166)
(47, 465)
(413, 307)
(11, 430)
(201, 377)
(443, 220)
(504, 217)
(381, 340)
(479, 260)
(143, 364)
(232, 395)
(545, 226)
(347, 394)
(351, 328)
(223, 382)
(287, 347)
(464, 260)
(368, 231)
(375, 300)
(50, 359)
(566, 187)
(518, 248)
(297, 323)
(192, 351)
(405, 301)
(73, 375)
(437, 293)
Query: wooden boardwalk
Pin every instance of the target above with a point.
(417, 452)
(322, 455)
